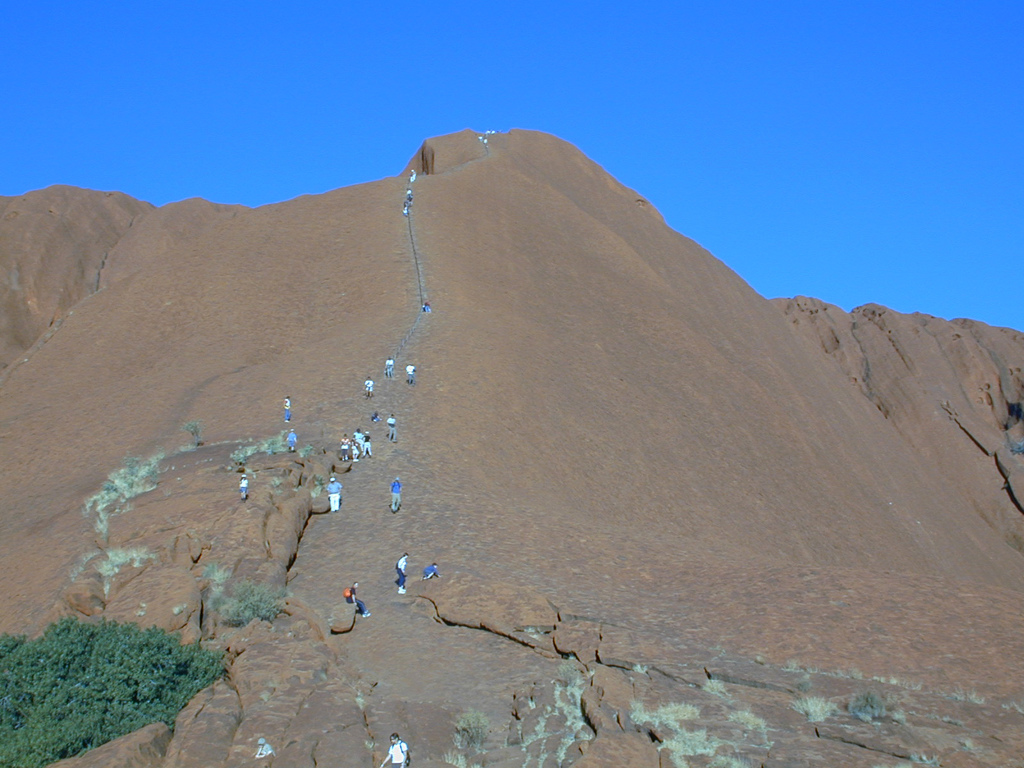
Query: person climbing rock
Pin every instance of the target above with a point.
(392, 431)
(350, 597)
(405, 209)
(400, 566)
(398, 753)
(346, 447)
(367, 447)
(431, 572)
(426, 306)
(287, 409)
(292, 440)
(410, 372)
(368, 386)
(412, 176)
(243, 487)
(334, 493)
(396, 495)
(389, 368)
(375, 417)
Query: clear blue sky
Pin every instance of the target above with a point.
(856, 152)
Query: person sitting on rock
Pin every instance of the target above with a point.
(350, 597)
(431, 572)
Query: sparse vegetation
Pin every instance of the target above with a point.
(668, 720)
(306, 450)
(271, 445)
(667, 716)
(749, 720)
(118, 558)
(814, 708)
(717, 687)
(959, 694)
(684, 744)
(471, 729)
(866, 706)
(728, 762)
(458, 760)
(252, 600)
(194, 428)
(81, 685)
(316, 486)
(132, 479)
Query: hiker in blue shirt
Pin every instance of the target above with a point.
(396, 495)
(287, 409)
(431, 572)
(334, 493)
(292, 439)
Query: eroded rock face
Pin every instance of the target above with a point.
(53, 246)
(953, 389)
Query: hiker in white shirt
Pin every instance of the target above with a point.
(397, 754)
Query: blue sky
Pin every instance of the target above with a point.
(857, 152)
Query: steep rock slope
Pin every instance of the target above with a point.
(53, 245)
(609, 381)
(617, 451)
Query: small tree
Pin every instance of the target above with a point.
(194, 428)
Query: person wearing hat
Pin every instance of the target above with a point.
(292, 440)
(243, 487)
(334, 493)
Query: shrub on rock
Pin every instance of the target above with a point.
(82, 685)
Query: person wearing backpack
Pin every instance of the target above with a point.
(398, 753)
(349, 593)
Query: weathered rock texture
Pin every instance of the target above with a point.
(664, 508)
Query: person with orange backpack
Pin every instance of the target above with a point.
(349, 594)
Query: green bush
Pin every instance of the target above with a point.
(252, 601)
(866, 706)
(471, 729)
(81, 685)
(194, 428)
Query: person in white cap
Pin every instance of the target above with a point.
(334, 493)
(243, 487)
(263, 749)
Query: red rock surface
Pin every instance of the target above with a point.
(616, 451)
